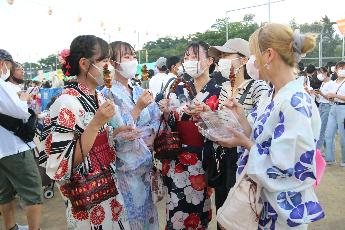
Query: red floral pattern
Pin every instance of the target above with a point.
(61, 170)
(48, 144)
(97, 215)
(192, 221)
(165, 167)
(81, 113)
(82, 215)
(63, 191)
(179, 168)
(116, 209)
(47, 120)
(72, 92)
(198, 182)
(84, 89)
(188, 158)
(66, 118)
(212, 102)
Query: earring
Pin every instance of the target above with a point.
(267, 66)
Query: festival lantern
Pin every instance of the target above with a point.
(50, 11)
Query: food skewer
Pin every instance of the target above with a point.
(107, 81)
(232, 78)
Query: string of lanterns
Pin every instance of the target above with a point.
(79, 19)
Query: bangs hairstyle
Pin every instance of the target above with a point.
(196, 47)
(117, 47)
(340, 64)
(280, 38)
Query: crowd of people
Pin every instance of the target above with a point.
(99, 137)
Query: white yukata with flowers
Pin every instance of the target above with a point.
(70, 114)
(285, 130)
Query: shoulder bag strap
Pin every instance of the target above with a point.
(167, 85)
(340, 87)
(245, 92)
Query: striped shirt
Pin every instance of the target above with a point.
(257, 89)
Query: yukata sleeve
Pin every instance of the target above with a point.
(155, 115)
(60, 142)
(286, 160)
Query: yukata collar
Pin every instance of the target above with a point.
(85, 89)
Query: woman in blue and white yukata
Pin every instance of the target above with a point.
(281, 132)
(134, 159)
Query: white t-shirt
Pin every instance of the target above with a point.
(338, 88)
(11, 105)
(325, 88)
(156, 83)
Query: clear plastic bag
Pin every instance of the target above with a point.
(179, 103)
(215, 125)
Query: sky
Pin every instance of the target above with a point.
(29, 33)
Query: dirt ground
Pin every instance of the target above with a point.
(331, 193)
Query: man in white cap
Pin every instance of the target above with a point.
(18, 170)
(158, 81)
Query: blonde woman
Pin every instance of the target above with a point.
(280, 135)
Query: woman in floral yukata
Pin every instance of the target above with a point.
(82, 111)
(282, 132)
(134, 158)
(188, 201)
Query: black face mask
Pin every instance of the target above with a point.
(16, 80)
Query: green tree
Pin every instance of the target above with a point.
(331, 42)
(30, 69)
(214, 36)
(50, 63)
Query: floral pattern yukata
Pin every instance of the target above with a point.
(188, 202)
(134, 159)
(70, 114)
(285, 130)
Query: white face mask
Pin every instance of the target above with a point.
(5, 76)
(320, 77)
(180, 71)
(99, 79)
(128, 69)
(341, 73)
(224, 67)
(252, 71)
(193, 68)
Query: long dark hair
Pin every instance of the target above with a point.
(246, 75)
(85, 46)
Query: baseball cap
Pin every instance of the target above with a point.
(236, 45)
(5, 55)
(162, 61)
